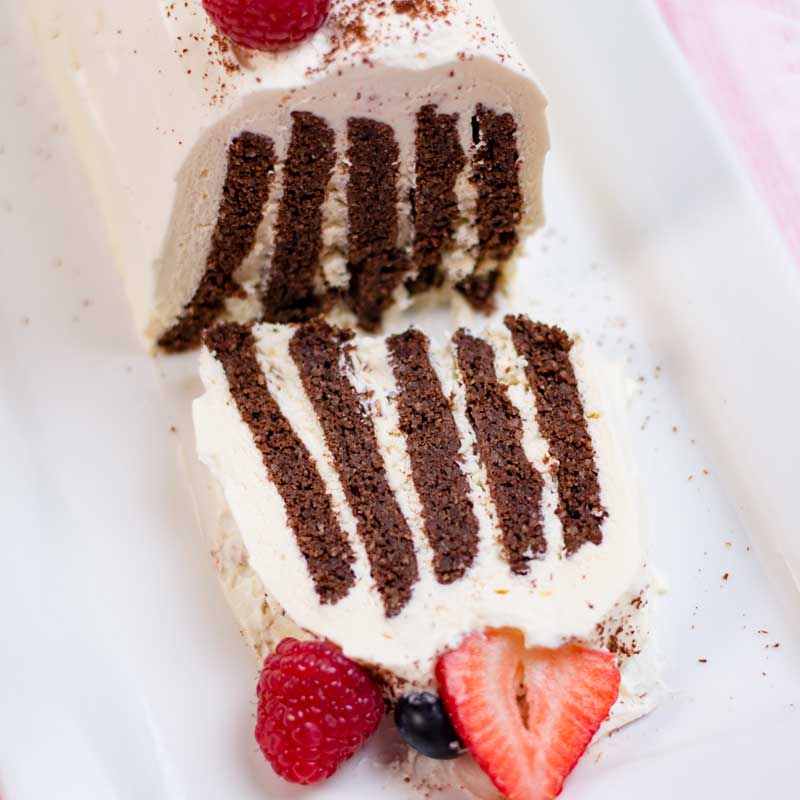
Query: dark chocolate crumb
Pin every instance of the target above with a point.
(317, 349)
(562, 421)
(434, 446)
(251, 164)
(495, 173)
(376, 265)
(293, 277)
(440, 159)
(514, 484)
(289, 465)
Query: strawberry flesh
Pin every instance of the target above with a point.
(526, 715)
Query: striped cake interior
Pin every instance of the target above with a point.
(357, 219)
(431, 452)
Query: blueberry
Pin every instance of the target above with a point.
(424, 725)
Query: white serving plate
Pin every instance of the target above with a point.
(122, 674)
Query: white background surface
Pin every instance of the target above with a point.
(121, 672)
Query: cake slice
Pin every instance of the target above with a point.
(397, 150)
(432, 508)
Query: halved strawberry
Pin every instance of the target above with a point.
(526, 715)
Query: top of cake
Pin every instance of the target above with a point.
(415, 34)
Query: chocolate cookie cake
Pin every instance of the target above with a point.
(445, 530)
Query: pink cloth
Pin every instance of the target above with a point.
(747, 54)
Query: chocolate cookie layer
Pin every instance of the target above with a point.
(514, 484)
(440, 159)
(318, 349)
(251, 165)
(433, 446)
(495, 174)
(376, 265)
(562, 422)
(309, 512)
(292, 292)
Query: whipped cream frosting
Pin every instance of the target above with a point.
(154, 96)
(563, 597)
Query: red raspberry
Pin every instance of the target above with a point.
(316, 708)
(267, 24)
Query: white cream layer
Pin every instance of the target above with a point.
(562, 597)
(153, 103)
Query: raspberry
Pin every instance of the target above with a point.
(316, 708)
(267, 24)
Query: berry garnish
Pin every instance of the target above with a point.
(526, 715)
(316, 708)
(423, 723)
(267, 24)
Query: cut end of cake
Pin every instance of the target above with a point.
(361, 217)
(389, 480)
(360, 191)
